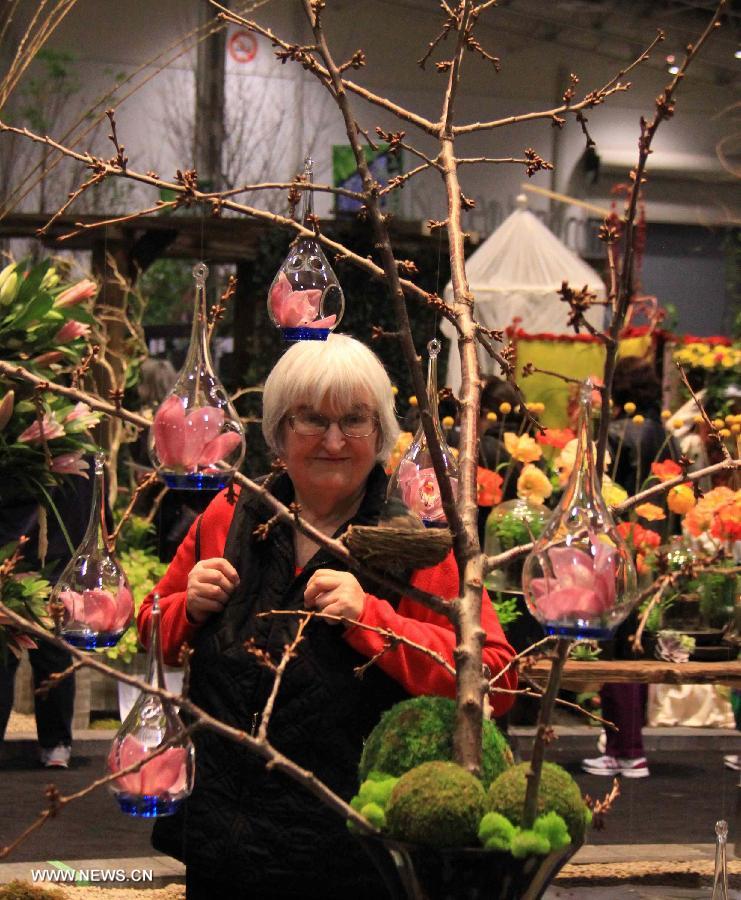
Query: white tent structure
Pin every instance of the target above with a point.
(516, 274)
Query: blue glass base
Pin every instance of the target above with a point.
(582, 632)
(147, 806)
(92, 640)
(435, 523)
(303, 333)
(196, 481)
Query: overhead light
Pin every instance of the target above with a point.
(673, 70)
(737, 54)
(671, 61)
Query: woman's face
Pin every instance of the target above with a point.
(330, 467)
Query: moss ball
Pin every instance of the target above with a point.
(558, 792)
(421, 730)
(437, 804)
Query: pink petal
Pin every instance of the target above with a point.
(169, 430)
(73, 604)
(160, 774)
(571, 566)
(124, 608)
(219, 448)
(100, 610)
(206, 419)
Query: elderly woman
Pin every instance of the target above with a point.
(328, 413)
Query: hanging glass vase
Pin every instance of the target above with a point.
(579, 579)
(414, 481)
(509, 525)
(305, 299)
(98, 605)
(196, 441)
(159, 786)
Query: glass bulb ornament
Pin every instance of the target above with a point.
(414, 481)
(579, 579)
(508, 525)
(97, 599)
(305, 299)
(196, 441)
(159, 786)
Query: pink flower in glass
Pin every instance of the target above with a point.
(219, 448)
(94, 608)
(165, 774)
(183, 440)
(582, 585)
(124, 607)
(292, 309)
(420, 492)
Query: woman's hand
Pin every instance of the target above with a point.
(335, 593)
(211, 583)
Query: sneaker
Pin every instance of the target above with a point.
(57, 757)
(601, 765)
(732, 761)
(634, 768)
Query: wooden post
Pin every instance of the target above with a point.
(209, 117)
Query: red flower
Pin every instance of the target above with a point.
(489, 486)
(638, 537)
(555, 437)
(666, 470)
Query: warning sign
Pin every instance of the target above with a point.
(242, 46)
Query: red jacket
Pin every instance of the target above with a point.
(415, 671)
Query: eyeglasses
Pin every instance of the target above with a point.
(353, 425)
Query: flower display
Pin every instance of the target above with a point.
(582, 585)
(533, 484)
(727, 520)
(47, 428)
(703, 355)
(650, 512)
(699, 519)
(642, 539)
(70, 464)
(164, 774)
(681, 498)
(70, 331)
(666, 470)
(521, 447)
(184, 441)
(294, 309)
(78, 293)
(613, 494)
(400, 448)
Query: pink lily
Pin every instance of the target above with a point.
(165, 774)
(99, 609)
(83, 415)
(83, 290)
(184, 441)
(6, 409)
(70, 464)
(47, 429)
(582, 585)
(70, 331)
(292, 309)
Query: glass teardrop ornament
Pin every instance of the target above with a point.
(98, 605)
(196, 441)
(508, 525)
(579, 580)
(305, 299)
(159, 786)
(414, 481)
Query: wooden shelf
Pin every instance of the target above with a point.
(577, 674)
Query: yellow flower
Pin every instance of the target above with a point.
(448, 422)
(736, 428)
(698, 419)
(394, 389)
(612, 493)
(718, 423)
(533, 485)
(650, 512)
(725, 432)
(666, 414)
(505, 407)
(629, 408)
(491, 417)
(681, 499)
(639, 419)
(413, 400)
(521, 447)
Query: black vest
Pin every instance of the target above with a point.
(255, 829)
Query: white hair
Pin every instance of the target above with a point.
(340, 370)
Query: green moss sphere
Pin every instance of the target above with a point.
(437, 804)
(558, 793)
(421, 730)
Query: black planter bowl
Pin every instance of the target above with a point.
(413, 872)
